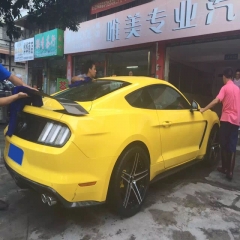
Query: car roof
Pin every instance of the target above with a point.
(144, 81)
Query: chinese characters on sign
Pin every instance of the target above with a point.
(24, 50)
(61, 84)
(183, 16)
(133, 29)
(28, 47)
(49, 44)
(154, 20)
(113, 30)
(214, 4)
(158, 20)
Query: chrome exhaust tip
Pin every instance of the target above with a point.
(44, 198)
(51, 201)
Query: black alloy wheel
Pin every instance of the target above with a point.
(213, 147)
(129, 182)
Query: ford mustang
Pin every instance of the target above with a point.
(107, 140)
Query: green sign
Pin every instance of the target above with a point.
(61, 84)
(49, 44)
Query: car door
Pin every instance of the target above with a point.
(181, 130)
(146, 123)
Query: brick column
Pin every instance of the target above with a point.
(160, 60)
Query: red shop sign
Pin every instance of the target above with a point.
(104, 5)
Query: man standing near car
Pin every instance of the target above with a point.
(5, 74)
(236, 80)
(229, 96)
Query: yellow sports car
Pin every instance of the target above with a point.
(107, 140)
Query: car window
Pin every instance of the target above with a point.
(165, 97)
(157, 97)
(141, 99)
(91, 91)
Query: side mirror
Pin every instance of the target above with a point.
(194, 106)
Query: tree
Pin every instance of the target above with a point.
(59, 13)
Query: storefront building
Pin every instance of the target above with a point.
(24, 52)
(185, 42)
(45, 60)
(49, 64)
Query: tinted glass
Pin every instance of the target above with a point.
(91, 91)
(157, 97)
(165, 97)
(141, 99)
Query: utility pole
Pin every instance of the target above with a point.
(10, 55)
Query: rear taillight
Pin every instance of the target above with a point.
(54, 134)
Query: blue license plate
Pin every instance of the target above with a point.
(16, 154)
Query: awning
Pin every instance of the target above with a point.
(6, 51)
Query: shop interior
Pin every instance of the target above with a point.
(138, 62)
(196, 69)
(118, 63)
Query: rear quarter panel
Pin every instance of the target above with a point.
(111, 126)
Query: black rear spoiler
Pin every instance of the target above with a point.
(69, 106)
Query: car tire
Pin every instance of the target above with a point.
(213, 147)
(129, 182)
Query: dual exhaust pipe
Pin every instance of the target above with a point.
(48, 199)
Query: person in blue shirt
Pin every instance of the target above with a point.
(89, 73)
(5, 74)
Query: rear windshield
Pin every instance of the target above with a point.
(91, 91)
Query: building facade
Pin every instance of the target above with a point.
(46, 65)
(185, 42)
(49, 72)
(7, 56)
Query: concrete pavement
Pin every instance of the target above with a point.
(195, 204)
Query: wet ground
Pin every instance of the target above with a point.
(197, 203)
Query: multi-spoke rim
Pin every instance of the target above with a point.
(134, 178)
(214, 147)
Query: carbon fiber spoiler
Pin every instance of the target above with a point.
(69, 106)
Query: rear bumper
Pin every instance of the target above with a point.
(41, 189)
(62, 169)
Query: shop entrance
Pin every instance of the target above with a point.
(140, 62)
(122, 63)
(56, 69)
(36, 73)
(196, 69)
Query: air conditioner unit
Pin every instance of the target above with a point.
(2, 61)
(4, 34)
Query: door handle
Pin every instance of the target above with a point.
(167, 123)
